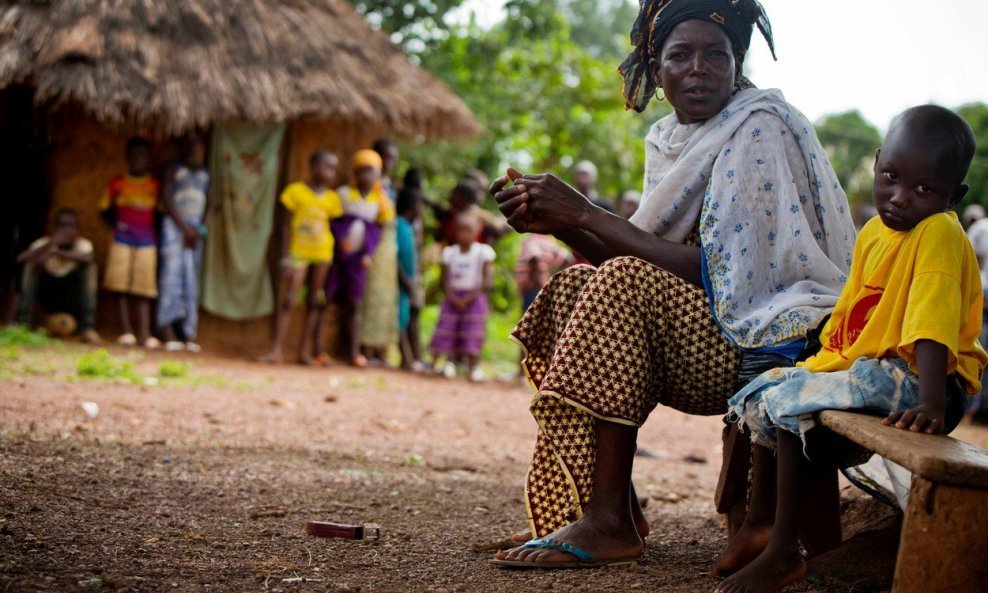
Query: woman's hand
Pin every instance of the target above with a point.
(540, 203)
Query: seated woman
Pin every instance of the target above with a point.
(741, 244)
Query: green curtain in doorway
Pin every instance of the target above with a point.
(243, 165)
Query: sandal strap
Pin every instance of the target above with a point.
(547, 543)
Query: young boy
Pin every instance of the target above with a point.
(130, 204)
(184, 195)
(59, 276)
(902, 340)
(312, 205)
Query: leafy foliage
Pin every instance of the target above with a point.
(976, 114)
(851, 143)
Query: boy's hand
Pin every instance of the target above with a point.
(191, 237)
(366, 262)
(922, 418)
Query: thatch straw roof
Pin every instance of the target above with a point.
(171, 65)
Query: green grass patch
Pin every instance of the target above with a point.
(21, 335)
(173, 369)
(101, 365)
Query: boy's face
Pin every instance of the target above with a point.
(195, 154)
(324, 170)
(66, 230)
(138, 160)
(366, 176)
(912, 182)
(389, 158)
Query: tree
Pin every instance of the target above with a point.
(850, 142)
(976, 115)
(414, 25)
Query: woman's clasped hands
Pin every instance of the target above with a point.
(539, 203)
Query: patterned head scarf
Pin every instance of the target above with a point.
(367, 158)
(657, 18)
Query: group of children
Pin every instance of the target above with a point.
(335, 240)
(132, 272)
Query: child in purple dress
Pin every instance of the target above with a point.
(467, 278)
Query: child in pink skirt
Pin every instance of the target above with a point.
(467, 278)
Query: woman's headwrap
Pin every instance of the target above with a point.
(657, 18)
(367, 158)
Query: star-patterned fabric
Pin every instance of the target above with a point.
(612, 343)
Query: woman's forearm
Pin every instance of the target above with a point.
(603, 235)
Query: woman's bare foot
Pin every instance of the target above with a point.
(602, 540)
(745, 546)
(641, 523)
(768, 573)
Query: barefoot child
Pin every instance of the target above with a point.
(902, 341)
(409, 209)
(184, 196)
(467, 278)
(130, 204)
(366, 207)
(312, 205)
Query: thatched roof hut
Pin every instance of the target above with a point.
(169, 66)
(79, 76)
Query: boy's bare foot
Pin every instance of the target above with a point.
(272, 357)
(601, 539)
(359, 361)
(769, 573)
(745, 546)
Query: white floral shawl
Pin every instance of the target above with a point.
(775, 227)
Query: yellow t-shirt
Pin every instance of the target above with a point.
(906, 286)
(311, 240)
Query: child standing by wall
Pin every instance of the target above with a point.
(366, 207)
(182, 232)
(409, 209)
(902, 341)
(467, 278)
(312, 205)
(132, 263)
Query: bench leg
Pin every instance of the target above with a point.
(731, 497)
(943, 543)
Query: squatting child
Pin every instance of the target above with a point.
(130, 205)
(467, 278)
(902, 340)
(184, 195)
(312, 204)
(366, 207)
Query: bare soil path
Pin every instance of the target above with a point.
(205, 483)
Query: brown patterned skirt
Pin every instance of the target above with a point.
(612, 342)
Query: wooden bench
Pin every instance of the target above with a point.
(944, 542)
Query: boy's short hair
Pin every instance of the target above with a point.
(953, 135)
(138, 142)
(318, 155)
(405, 200)
(65, 211)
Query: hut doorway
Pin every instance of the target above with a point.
(24, 192)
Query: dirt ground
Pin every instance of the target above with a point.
(206, 485)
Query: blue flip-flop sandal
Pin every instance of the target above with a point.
(583, 558)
